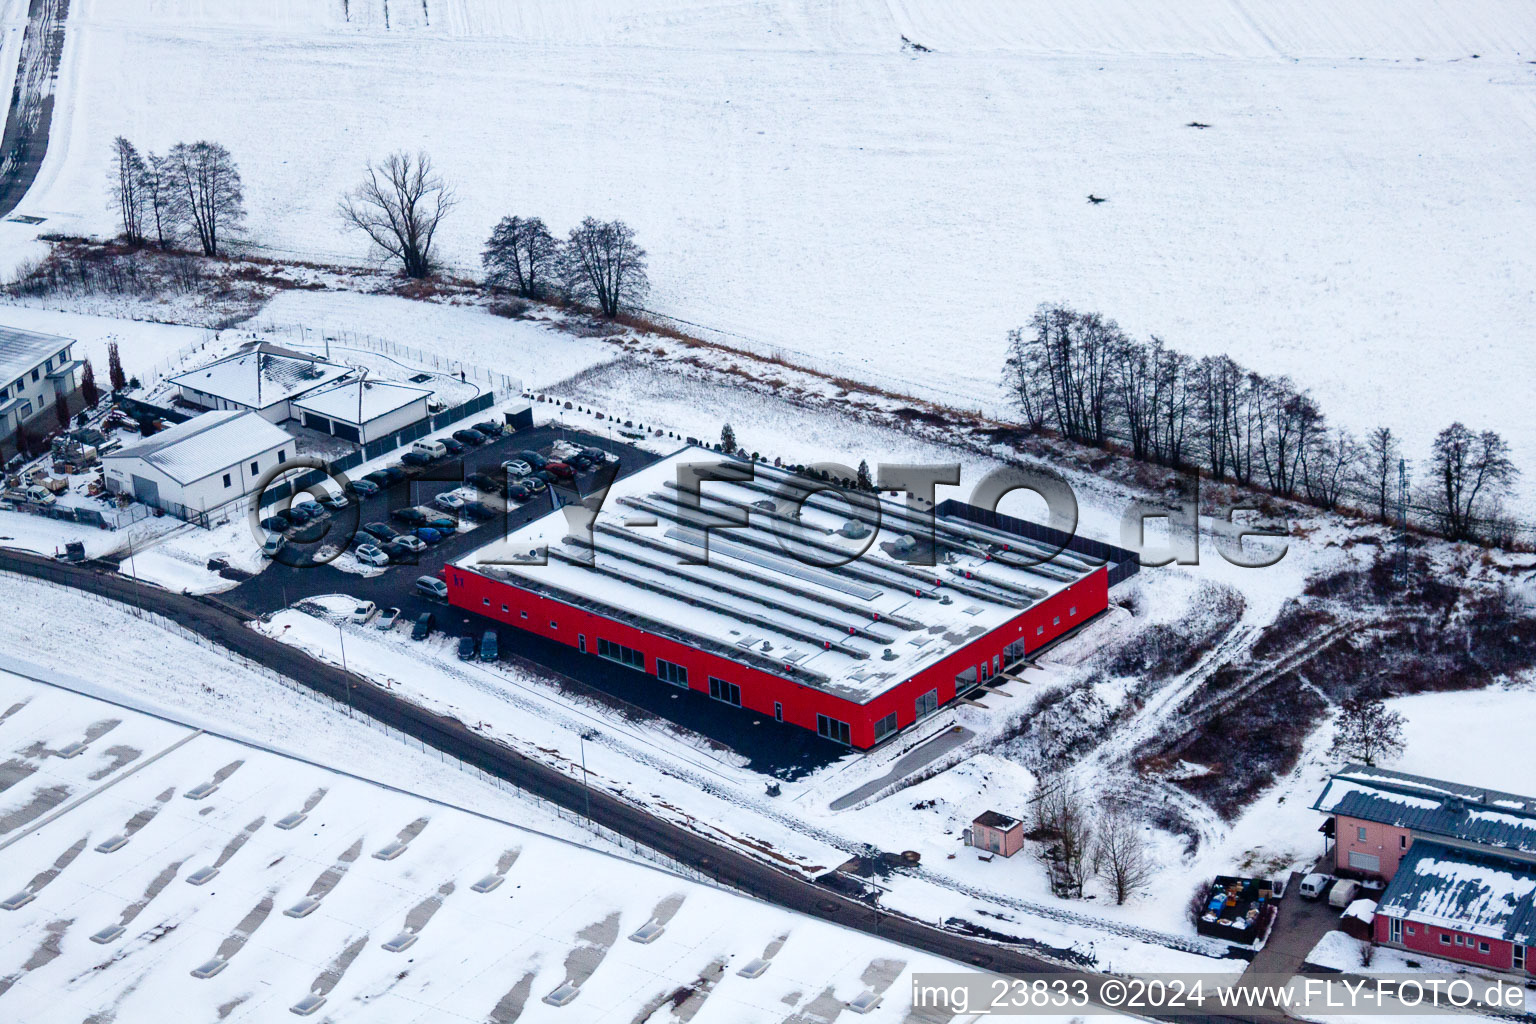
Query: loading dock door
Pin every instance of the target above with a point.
(319, 423)
(146, 491)
(346, 432)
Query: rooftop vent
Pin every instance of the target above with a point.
(563, 995)
(905, 544)
(210, 968)
(303, 908)
(308, 1005)
(289, 821)
(19, 900)
(754, 968)
(391, 851)
(888, 655)
(112, 845)
(853, 529)
(111, 933)
(488, 883)
(402, 942)
(201, 791)
(647, 933)
(74, 749)
(864, 1002)
(202, 876)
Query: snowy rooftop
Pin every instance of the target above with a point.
(776, 596)
(206, 444)
(1464, 890)
(1469, 813)
(21, 350)
(282, 375)
(340, 401)
(285, 880)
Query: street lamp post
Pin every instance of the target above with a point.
(586, 786)
(347, 680)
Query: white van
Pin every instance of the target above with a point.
(40, 494)
(1343, 894)
(430, 448)
(1313, 886)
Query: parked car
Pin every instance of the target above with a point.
(272, 544)
(478, 510)
(383, 531)
(412, 516)
(579, 462)
(430, 448)
(448, 502)
(489, 428)
(432, 587)
(488, 651)
(439, 521)
(482, 482)
(597, 455)
(466, 648)
(334, 500)
(308, 533)
(517, 467)
(488, 435)
(427, 535)
(392, 474)
(378, 478)
(372, 554)
(453, 447)
(411, 543)
(1313, 886)
(535, 483)
(425, 623)
(363, 612)
(314, 508)
(1343, 894)
(414, 458)
(469, 437)
(297, 515)
(518, 490)
(276, 523)
(397, 552)
(387, 618)
(544, 475)
(532, 457)
(562, 470)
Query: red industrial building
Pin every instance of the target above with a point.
(771, 622)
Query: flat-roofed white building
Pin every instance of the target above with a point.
(201, 464)
(263, 380)
(36, 372)
(362, 410)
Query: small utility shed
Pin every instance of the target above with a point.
(362, 410)
(200, 464)
(997, 833)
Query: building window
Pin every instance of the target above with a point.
(227, 481)
(505, 608)
(581, 642)
(1410, 930)
(730, 693)
(1445, 940)
(1360, 833)
(485, 601)
(927, 704)
(523, 614)
(1056, 621)
(1402, 841)
(282, 457)
(668, 672)
(832, 729)
(965, 680)
(1482, 947)
(1395, 929)
(885, 727)
(778, 712)
(1367, 862)
(1072, 610)
(4, 394)
(1039, 631)
(1519, 958)
(553, 624)
(997, 663)
(255, 467)
(35, 375)
(621, 654)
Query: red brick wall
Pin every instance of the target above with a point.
(760, 690)
(1387, 842)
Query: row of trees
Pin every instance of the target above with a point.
(1082, 376)
(193, 190)
(1081, 842)
(598, 262)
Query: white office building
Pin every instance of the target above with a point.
(36, 371)
(201, 464)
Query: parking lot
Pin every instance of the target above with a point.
(771, 747)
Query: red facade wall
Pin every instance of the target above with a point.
(1426, 939)
(1388, 843)
(760, 691)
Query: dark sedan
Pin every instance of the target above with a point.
(412, 516)
(470, 437)
(383, 531)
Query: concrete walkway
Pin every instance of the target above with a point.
(919, 756)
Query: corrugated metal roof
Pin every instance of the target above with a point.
(234, 378)
(206, 444)
(21, 350)
(1464, 890)
(339, 401)
(1486, 817)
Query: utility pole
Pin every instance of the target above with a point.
(586, 787)
(341, 636)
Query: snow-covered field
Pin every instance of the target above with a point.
(559, 914)
(1356, 214)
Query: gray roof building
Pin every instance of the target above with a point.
(1458, 814)
(1464, 890)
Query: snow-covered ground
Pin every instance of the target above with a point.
(1355, 214)
(559, 914)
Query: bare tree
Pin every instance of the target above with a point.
(1469, 470)
(399, 206)
(128, 198)
(1378, 468)
(606, 265)
(522, 255)
(1366, 730)
(163, 203)
(1061, 816)
(1121, 856)
(209, 189)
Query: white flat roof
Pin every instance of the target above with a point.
(234, 378)
(563, 912)
(206, 444)
(379, 397)
(21, 351)
(854, 631)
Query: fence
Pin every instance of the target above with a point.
(328, 338)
